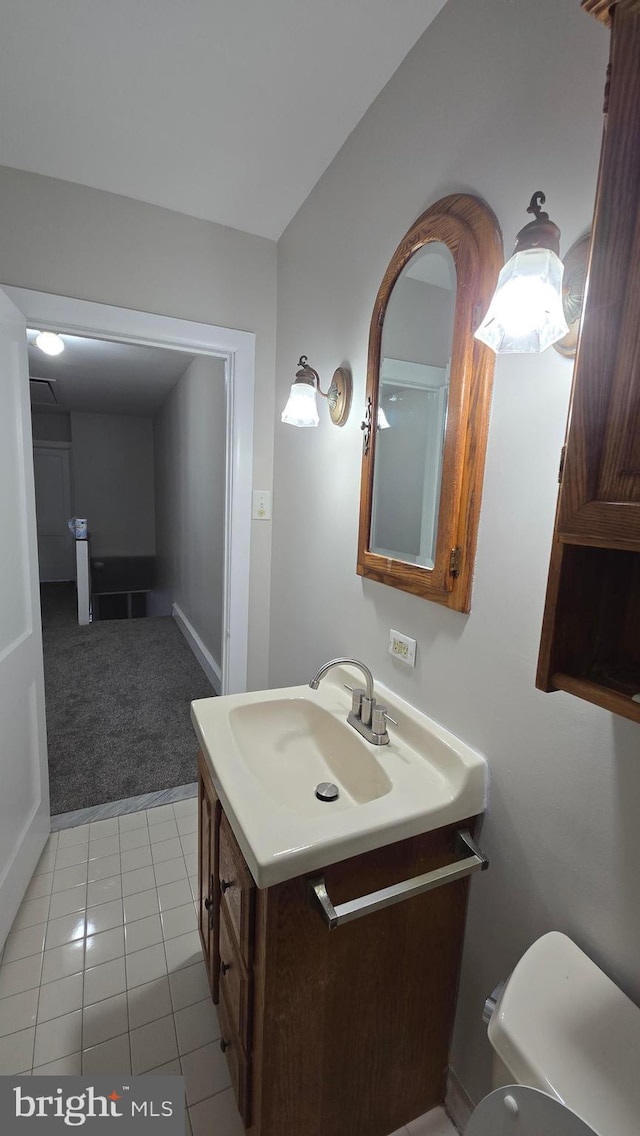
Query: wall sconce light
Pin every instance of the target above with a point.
(525, 314)
(383, 422)
(302, 409)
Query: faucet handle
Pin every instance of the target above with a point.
(380, 719)
(357, 694)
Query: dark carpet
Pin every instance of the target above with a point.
(117, 695)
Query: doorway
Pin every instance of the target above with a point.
(233, 353)
(46, 311)
(144, 432)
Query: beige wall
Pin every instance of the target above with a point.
(74, 241)
(499, 98)
(190, 457)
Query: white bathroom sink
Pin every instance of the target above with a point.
(292, 744)
(268, 750)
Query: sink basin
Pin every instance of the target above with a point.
(292, 744)
(268, 750)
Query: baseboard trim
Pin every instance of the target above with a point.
(202, 654)
(457, 1102)
(124, 807)
(27, 850)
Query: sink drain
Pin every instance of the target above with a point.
(327, 791)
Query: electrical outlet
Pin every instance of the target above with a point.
(402, 648)
(261, 510)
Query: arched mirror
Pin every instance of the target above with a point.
(428, 394)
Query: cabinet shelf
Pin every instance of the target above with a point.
(609, 698)
(591, 633)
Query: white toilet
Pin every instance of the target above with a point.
(567, 1050)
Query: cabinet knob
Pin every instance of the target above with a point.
(224, 1045)
(225, 885)
(224, 967)
(208, 903)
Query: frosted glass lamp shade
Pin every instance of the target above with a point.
(525, 314)
(301, 408)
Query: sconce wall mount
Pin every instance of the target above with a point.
(542, 232)
(574, 286)
(301, 409)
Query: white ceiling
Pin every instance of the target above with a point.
(100, 377)
(228, 110)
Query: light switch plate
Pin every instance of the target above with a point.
(261, 510)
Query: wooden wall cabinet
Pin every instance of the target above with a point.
(591, 631)
(331, 1033)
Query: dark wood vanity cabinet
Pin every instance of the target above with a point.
(208, 903)
(591, 632)
(331, 1032)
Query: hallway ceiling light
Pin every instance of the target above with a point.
(49, 342)
(525, 314)
(302, 409)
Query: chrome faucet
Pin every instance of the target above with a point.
(366, 715)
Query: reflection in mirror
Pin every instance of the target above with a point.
(412, 407)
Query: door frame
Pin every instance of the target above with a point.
(24, 772)
(48, 312)
(64, 447)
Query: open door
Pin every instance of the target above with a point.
(24, 781)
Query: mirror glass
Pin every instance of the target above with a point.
(413, 388)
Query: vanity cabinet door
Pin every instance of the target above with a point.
(235, 949)
(208, 889)
(237, 890)
(238, 1063)
(235, 985)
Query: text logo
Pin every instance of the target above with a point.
(46, 1105)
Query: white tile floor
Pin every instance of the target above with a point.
(102, 971)
(434, 1123)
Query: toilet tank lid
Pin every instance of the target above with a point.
(562, 1026)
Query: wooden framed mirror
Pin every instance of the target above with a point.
(427, 405)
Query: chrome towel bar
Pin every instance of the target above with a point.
(406, 889)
